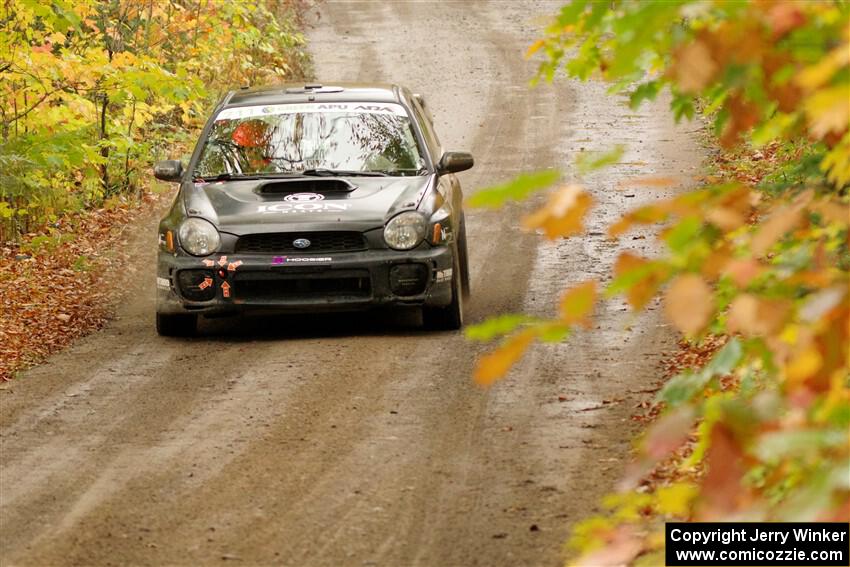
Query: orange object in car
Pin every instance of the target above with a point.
(251, 134)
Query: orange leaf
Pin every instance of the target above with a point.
(751, 315)
(563, 213)
(775, 227)
(577, 304)
(784, 17)
(650, 182)
(689, 303)
(534, 48)
(743, 271)
(732, 210)
(495, 365)
(716, 261)
(743, 115)
(693, 67)
(722, 490)
(669, 432)
(649, 214)
(639, 294)
(832, 211)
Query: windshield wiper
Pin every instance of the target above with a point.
(227, 177)
(321, 172)
(242, 176)
(405, 172)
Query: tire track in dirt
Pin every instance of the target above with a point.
(352, 440)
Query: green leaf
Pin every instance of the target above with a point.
(777, 445)
(517, 189)
(727, 358)
(497, 326)
(684, 235)
(591, 161)
(683, 387)
(644, 91)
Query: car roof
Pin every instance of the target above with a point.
(313, 92)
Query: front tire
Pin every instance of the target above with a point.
(464, 258)
(176, 325)
(450, 317)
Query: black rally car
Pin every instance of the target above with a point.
(308, 198)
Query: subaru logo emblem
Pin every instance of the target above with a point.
(301, 243)
(304, 197)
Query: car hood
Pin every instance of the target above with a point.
(251, 206)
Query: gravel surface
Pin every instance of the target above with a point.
(360, 439)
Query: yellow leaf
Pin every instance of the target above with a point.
(828, 111)
(821, 72)
(495, 365)
(534, 48)
(689, 303)
(577, 304)
(803, 365)
(563, 214)
(123, 59)
(676, 499)
(836, 163)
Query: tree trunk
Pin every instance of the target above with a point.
(104, 151)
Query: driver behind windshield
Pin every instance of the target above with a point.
(297, 137)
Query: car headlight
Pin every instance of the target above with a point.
(405, 231)
(198, 237)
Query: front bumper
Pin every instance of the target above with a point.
(226, 284)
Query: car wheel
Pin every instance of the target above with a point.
(450, 317)
(176, 325)
(464, 258)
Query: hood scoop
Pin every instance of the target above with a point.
(305, 185)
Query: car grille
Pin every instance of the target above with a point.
(282, 242)
(302, 285)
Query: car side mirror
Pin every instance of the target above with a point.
(168, 170)
(453, 162)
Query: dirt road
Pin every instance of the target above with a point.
(362, 440)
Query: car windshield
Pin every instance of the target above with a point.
(316, 138)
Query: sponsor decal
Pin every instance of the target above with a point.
(308, 207)
(163, 283)
(208, 281)
(308, 108)
(444, 275)
(304, 197)
(225, 289)
(281, 260)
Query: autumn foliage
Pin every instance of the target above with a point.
(759, 265)
(93, 91)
